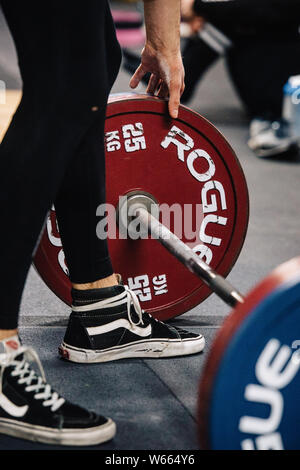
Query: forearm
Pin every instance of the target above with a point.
(162, 21)
(161, 55)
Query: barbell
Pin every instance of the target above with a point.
(192, 175)
(249, 390)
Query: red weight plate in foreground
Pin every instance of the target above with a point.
(184, 165)
(232, 334)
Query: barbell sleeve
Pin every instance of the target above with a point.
(189, 258)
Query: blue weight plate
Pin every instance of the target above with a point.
(250, 390)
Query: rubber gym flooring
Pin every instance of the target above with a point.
(154, 401)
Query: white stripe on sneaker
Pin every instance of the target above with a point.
(122, 323)
(105, 303)
(11, 408)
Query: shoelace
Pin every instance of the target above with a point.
(132, 298)
(27, 376)
(128, 296)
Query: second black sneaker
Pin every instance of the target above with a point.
(108, 324)
(30, 408)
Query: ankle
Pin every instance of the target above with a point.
(5, 334)
(90, 296)
(109, 281)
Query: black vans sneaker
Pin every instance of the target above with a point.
(108, 324)
(30, 409)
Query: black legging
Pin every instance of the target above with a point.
(53, 151)
(259, 68)
(259, 65)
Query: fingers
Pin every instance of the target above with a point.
(163, 91)
(182, 88)
(153, 84)
(167, 81)
(137, 77)
(175, 91)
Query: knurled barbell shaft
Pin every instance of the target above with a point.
(189, 258)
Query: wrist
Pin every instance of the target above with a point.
(158, 48)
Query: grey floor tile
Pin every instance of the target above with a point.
(148, 414)
(183, 374)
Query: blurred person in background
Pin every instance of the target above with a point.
(262, 53)
(260, 42)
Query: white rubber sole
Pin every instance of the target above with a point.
(67, 437)
(157, 348)
(265, 153)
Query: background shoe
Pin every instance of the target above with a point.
(271, 138)
(108, 324)
(30, 409)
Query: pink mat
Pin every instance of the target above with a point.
(131, 37)
(124, 16)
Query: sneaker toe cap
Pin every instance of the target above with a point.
(74, 416)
